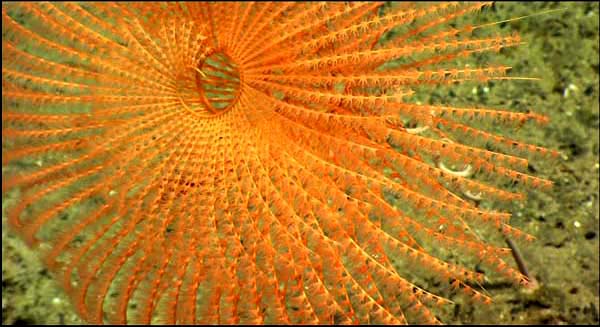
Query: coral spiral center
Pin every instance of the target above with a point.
(218, 82)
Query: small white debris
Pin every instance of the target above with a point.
(112, 193)
(39, 163)
(474, 91)
(472, 196)
(486, 89)
(466, 172)
(576, 224)
(417, 130)
(56, 301)
(569, 88)
(44, 246)
(597, 165)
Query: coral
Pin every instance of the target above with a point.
(255, 162)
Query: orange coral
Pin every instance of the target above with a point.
(252, 162)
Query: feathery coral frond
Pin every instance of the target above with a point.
(253, 162)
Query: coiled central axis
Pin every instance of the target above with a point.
(218, 80)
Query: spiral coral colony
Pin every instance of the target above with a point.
(256, 162)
